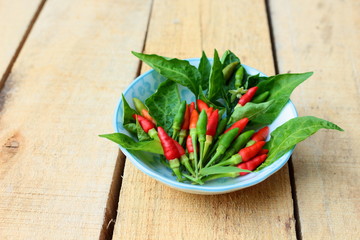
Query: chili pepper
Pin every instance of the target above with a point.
(201, 133)
(221, 126)
(185, 125)
(178, 120)
(191, 107)
(170, 151)
(239, 142)
(263, 151)
(241, 124)
(260, 135)
(209, 111)
(201, 105)
(250, 165)
(239, 75)
(183, 158)
(247, 96)
(261, 98)
(142, 109)
(190, 148)
(147, 126)
(193, 134)
(211, 130)
(245, 154)
(228, 70)
(224, 143)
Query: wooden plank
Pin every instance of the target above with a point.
(323, 36)
(56, 173)
(150, 210)
(15, 20)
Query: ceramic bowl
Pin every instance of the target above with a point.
(145, 85)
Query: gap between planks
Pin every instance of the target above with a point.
(21, 44)
(107, 229)
(290, 163)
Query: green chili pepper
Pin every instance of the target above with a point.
(239, 75)
(224, 143)
(261, 98)
(139, 105)
(221, 127)
(228, 70)
(239, 142)
(178, 120)
(201, 132)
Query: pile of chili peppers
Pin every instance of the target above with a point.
(201, 139)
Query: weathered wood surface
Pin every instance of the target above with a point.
(150, 210)
(56, 173)
(15, 20)
(323, 36)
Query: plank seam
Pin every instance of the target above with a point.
(290, 165)
(21, 44)
(107, 230)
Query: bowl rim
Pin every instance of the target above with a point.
(260, 175)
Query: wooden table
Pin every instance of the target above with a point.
(63, 66)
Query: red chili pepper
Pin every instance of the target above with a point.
(263, 151)
(185, 125)
(183, 158)
(170, 150)
(261, 135)
(201, 105)
(209, 111)
(144, 123)
(252, 164)
(247, 96)
(193, 119)
(251, 151)
(145, 114)
(241, 124)
(191, 107)
(189, 145)
(212, 123)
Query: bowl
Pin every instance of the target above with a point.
(145, 85)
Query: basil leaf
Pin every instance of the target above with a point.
(131, 128)
(141, 134)
(177, 70)
(220, 169)
(204, 69)
(127, 112)
(250, 110)
(286, 136)
(216, 81)
(127, 142)
(229, 57)
(280, 88)
(253, 80)
(164, 103)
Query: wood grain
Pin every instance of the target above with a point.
(150, 210)
(15, 21)
(323, 36)
(56, 173)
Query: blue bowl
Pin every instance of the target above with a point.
(145, 85)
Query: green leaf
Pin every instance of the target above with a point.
(250, 110)
(286, 136)
(204, 69)
(280, 88)
(220, 169)
(127, 142)
(131, 127)
(253, 80)
(164, 103)
(229, 57)
(141, 134)
(216, 81)
(127, 112)
(177, 70)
